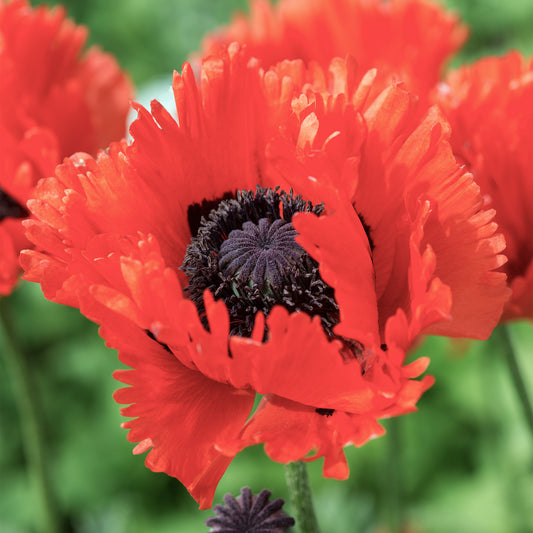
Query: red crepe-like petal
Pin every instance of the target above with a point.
(462, 236)
(291, 430)
(489, 107)
(88, 197)
(216, 146)
(325, 380)
(21, 161)
(108, 92)
(348, 270)
(179, 413)
(424, 36)
(53, 101)
(48, 82)
(198, 411)
(403, 163)
(419, 160)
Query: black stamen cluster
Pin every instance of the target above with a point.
(245, 254)
(250, 514)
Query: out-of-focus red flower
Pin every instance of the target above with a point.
(54, 101)
(312, 306)
(406, 40)
(490, 107)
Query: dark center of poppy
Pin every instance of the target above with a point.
(245, 253)
(261, 253)
(9, 207)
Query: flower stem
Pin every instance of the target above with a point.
(393, 477)
(32, 438)
(516, 375)
(300, 494)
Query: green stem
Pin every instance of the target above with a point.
(31, 429)
(393, 477)
(300, 494)
(516, 375)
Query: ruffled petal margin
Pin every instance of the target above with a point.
(180, 414)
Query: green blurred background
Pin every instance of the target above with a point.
(463, 463)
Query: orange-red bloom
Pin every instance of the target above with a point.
(311, 306)
(406, 40)
(490, 107)
(54, 101)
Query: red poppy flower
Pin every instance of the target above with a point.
(54, 101)
(212, 296)
(489, 106)
(406, 40)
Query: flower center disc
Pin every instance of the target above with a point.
(245, 253)
(260, 253)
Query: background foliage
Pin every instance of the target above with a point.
(462, 463)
